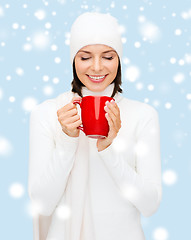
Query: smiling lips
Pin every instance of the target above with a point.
(97, 78)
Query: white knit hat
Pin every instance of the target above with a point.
(95, 28)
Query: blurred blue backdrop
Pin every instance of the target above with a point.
(35, 65)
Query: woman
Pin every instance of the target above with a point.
(94, 188)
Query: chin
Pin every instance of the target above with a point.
(97, 89)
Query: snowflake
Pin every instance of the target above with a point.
(169, 177)
(40, 14)
(150, 31)
(5, 146)
(16, 190)
(160, 234)
(132, 73)
(29, 103)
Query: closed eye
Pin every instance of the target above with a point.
(108, 58)
(83, 58)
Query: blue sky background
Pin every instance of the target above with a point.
(35, 66)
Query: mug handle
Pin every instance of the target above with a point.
(79, 103)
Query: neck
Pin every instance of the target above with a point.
(106, 92)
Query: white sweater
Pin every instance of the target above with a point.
(124, 179)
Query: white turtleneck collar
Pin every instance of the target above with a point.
(107, 92)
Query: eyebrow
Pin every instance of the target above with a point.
(103, 52)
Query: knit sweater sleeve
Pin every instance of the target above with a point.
(140, 185)
(50, 159)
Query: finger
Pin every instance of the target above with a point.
(66, 108)
(113, 107)
(110, 112)
(70, 120)
(116, 119)
(77, 123)
(116, 107)
(112, 130)
(64, 117)
(74, 118)
(110, 122)
(74, 125)
(69, 113)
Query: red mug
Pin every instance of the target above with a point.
(95, 124)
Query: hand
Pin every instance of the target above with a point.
(69, 119)
(114, 121)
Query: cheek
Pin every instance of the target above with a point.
(81, 68)
(113, 67)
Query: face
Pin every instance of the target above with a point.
(96, 66)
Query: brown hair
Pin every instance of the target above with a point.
(77, 84)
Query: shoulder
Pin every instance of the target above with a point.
(144, 108)
(49, 107)
(136, 106)
(138, 109)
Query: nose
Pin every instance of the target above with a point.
(97, 65)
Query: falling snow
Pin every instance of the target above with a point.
(48, 25)
(188, 96)
(168, 105)
(33, 209)
(63, 212)
(149, 31)
(40, 14)
(169, 177)
(150, 87)
(54, 47)
(62, 1)
(141, 149)
(8, 78)
(137, 44)
(12, 99)
(55, 80)
(48, 90)
(173, 60)
(35, 66)
(160, 234)
(45, 78)
(139, 86)
(19, 71)
(16, 190)
(119, 145)
(130, 192)
(15, 26)
(126, 60)
(187, 58)
(1, 12)
(5, 146)
(179, 78)
(40, 40)
(132, 73)
(67, 40)
(178, 32)
(1, 93)
(27, 47)
(29, 103)
(186, 14)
